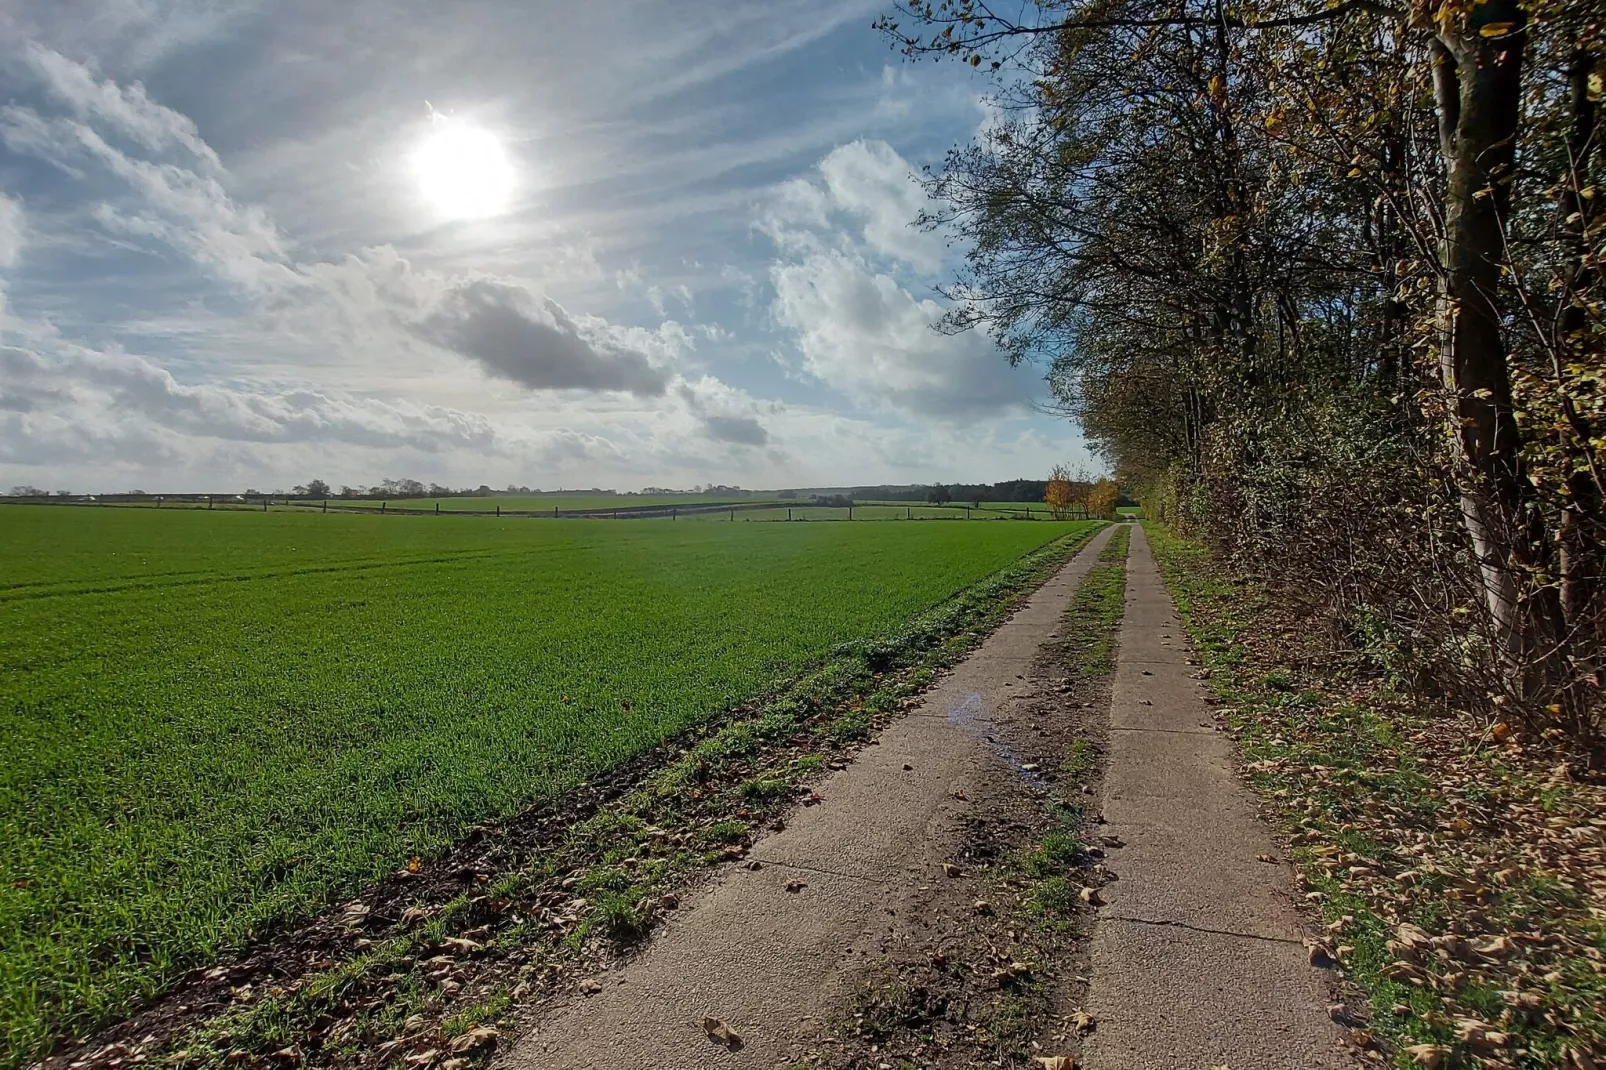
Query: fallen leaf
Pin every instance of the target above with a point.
(721, 1033)
(952, 870)
(1498, 948)
(1265, 858)
(1091, 897)
(1412, 937)
(1084, 1022)
(474, 1038)
(1055, 1062)
(1015, 968)
(1428, 1055)
(981, 906)
(591, 986)
(796, 886)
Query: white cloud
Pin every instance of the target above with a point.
(48, 394)
(724, 413)
(865, 334)
(871, 182)
(130, 110)
(858, 327)
(11, 231)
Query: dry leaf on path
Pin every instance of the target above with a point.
(952, 870)
(591, 986)
(1055, 1062)
(796, 886)
(1084, 1022)
(721, 1033)
(1091, 897)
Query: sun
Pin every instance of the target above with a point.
(463, 171)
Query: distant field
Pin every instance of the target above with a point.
(211, 720)
(541, 503)
(803, 512)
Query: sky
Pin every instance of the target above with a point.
(618, 243)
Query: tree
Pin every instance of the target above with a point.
(1321, 280)
(938, 494)
(1057, 493)
(1101, 498)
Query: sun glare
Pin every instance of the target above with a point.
(463, 171)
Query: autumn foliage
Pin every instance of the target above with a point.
(1057, 494)
(1324, 284)
(1101, 498)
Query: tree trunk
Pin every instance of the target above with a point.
(1478, 87)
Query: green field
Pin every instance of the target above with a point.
(539, 503)
(212, 720)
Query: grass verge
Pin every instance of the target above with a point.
(1460, 873)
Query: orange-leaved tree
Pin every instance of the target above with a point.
(1101, 498)
(1057, 492)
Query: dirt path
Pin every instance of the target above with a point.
(774, 951)
(1197, 960)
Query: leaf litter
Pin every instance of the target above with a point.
(1459, 867)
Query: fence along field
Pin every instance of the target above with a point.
(212, 720)
(628, 506)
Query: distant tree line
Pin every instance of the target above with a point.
(413, 488)
(1013, 490)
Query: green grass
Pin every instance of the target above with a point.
(214, 721)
